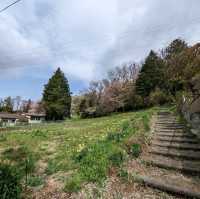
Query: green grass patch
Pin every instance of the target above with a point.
(35, 181)
(86, 148)
(136, 150)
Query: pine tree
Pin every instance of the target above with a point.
(151, 75)
(175, 48)
(56, 97)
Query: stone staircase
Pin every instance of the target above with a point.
(175, 156)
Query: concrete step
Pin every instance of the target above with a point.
(177, 153)
(176, 140)
(169, 128)
(164, 113)
(166, 119)
(187, 166)
(172, 122)
(168, 131)
(182, 135)
(194, 147)
(173, 185)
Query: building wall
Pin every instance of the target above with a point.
(35, 121)
(8, 122)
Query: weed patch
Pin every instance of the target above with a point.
(136, 150)
(123, 174)
(34, 181)
(51, 168)
(73, 184)
(10, 186)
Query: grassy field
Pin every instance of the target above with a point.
(75, 151)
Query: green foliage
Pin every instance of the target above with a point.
(73, 184)
(151, 75)
(176, 47)
(158, 97)
(90, 112)
(10, 187)
(117, 157)
(56, 97)
(51, 167)
(95, 160)
(74, 146)
(138, 102)
(115, 136)
(135, 150)
(145, 120)
(22, 158)
(34, 181)
(118, 136)
(94, 165)
(123, 174)
(2, 137)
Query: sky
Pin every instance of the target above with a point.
(84, 38)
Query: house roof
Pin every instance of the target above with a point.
(36, 114)
(10, 116)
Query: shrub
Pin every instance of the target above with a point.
(10, 186)
(35, 181)
(117, 157)
(115, 137)
(94, 164)
(90, 112)
(158, 97)
(135, 150)
(123, 175)
(138, 102)
(23, 159)
(3, 138)
(51, 168)
(145, 120)
(125, 125)
(73, 184)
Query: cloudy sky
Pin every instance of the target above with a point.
(85, 38)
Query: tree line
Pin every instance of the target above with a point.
(160, 79)
(15, 105)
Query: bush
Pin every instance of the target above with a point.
(90, 112)
(123, 175)
(115, 137)
(35, 181)
(145, 120)
(51, 168)
(22, 158)
(94, 163)
(135, 150)
(138, 102)
(10, 187)
(73, 184)
(158, 97)
(117, 157)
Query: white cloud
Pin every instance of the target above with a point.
(86, 38)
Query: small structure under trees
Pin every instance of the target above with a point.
(10, 119)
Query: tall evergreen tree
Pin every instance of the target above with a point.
(151, 75)
(176, 59)
(56, 97)
(175, 48)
